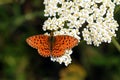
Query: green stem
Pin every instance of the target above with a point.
(116, 44)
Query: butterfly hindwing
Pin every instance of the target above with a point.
(63, 42)
(40, 42)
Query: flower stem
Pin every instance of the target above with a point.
(116, 44)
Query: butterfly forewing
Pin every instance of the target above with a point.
(63, 42)
(40, 42)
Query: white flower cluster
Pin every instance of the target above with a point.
(94, 18)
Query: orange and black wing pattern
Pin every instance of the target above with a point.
(40, 42)
(62, 43)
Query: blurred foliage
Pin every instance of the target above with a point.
(73, 72)
(20, 19)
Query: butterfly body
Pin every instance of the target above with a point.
(54, 46)
(51, 41)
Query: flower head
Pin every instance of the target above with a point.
(94, 18)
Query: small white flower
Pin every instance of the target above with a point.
(98, 1)
(117, 2)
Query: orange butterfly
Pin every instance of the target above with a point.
(54, 46)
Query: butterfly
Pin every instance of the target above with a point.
(54, 46)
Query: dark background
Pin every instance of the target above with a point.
(20, 19)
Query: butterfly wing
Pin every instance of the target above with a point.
(40, 42)
(63, 42)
